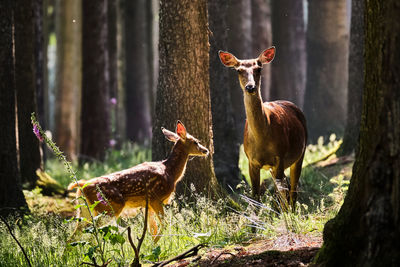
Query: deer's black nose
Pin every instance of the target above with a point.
(250, 88)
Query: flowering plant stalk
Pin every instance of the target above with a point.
(41, 135)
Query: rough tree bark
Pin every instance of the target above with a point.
(112, 10)
(366, 232)
(28, 145)
(226, 141)
(95, 117)
(356, 78)
(289, 69)
(261, 36)
(239, 44)
(68, 75)
(138, 114)
(11, 196)
(325, 99)
(183, 91)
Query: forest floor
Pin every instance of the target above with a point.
(283, 249)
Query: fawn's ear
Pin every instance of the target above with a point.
(170, 135)
(267, 55)
(228, 59)
(181, 130)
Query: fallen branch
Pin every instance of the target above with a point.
(95, 264)
(220, 254)
(187, 254)
(135, 262)
(16, 240)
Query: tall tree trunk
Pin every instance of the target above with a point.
(95, 117)
(183, 91)
(356, 78)
(137, 72)
(40, 59)
(325, 100)
(261, 36)
(289, 68)
(226, 141)
(366, 232)
(25, 79)
(120, 116)
(113, 69)
(239, 43)
(11, 196)
(68, 75)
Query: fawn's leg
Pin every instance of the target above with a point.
(158, 210)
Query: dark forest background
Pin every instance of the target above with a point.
(99, 74)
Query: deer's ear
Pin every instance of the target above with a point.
(267, 55)
(181, 130)
(169, 135)
(228, 59)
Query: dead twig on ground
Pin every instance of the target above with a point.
(135, 262)
(190, 253)
(16, 240)
(220, 254)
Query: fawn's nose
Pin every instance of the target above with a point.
(250, 88)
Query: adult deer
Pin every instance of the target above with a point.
(127, 188)
(275, 132)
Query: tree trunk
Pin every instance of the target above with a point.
(95, 117)
(120, 111)
(325, 100)
(68, 76)
(356, 78)
(137, 72)
(226, 141)
(239, 44)
(25, 79)
(183, 91)
(11, 196)
(366, 232)
(40, 59)
(289, 66)
(261, 36)
(113, 69)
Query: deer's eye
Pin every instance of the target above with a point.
(257, 70)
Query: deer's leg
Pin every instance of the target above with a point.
(295, 171)
(255, 181)
(157, 209)
(280, 183)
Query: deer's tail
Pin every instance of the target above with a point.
(80, 183)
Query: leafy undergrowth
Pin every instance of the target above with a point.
(248, 234)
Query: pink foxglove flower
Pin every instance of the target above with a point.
(101, 199)
(113, 101)
(37, 133)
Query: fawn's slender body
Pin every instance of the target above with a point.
(127, 188)
(275, 132)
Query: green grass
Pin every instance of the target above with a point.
(185, 225)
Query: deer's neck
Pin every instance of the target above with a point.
(176, 162)
(256, 122)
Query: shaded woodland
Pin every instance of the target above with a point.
(103, 74)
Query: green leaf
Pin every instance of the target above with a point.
(89, 230)
(117, 238)
(94, 205)
(79, 206)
